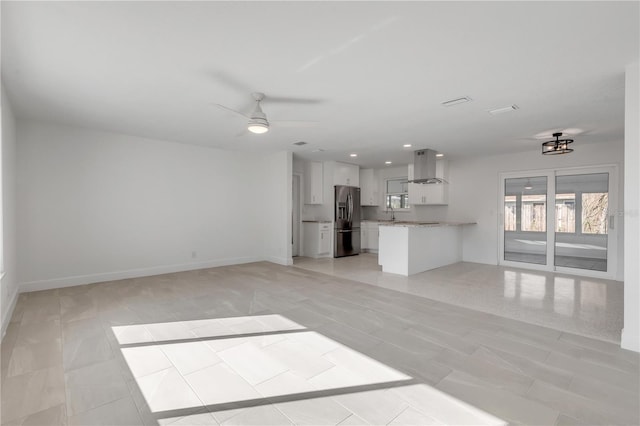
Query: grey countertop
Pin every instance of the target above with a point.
(425, 224)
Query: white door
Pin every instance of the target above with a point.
(560, 220)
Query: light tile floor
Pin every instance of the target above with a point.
(266, 344)
(566, 261)
(587, 306)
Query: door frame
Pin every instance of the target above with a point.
(614, 207)
(296, 208)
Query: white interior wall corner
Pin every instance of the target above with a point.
(8, 282)
(273, 207)
(631, 331)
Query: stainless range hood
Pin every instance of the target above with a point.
(424, 167)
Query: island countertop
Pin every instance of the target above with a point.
(424, 224)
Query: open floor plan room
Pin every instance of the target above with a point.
(319, 213)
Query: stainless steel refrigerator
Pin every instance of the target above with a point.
(347, 221)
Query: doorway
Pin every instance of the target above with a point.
(560, 220)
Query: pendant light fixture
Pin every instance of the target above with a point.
(528, 185)
(558, 146)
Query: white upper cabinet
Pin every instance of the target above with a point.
(431, 194)
(313, 183)
(369, 188)
(346, 174)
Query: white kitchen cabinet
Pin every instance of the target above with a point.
(369, 236)
(346, 174)
(313, 182)
(372, 241)
(416, 191)
(364, 236)
(430, 194)
(317, 239)
(369, 188)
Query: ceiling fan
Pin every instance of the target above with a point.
(550, 134)
(257, 119)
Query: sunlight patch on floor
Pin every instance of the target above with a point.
(269, 367)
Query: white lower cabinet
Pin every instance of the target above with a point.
(369, 236)
(317, 239)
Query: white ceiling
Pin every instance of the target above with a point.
(379, 70)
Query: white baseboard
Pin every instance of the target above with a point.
(280, 260)
(6, 316)
(132, 273)
(630, 342)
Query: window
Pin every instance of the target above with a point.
(510, 213)
(397, 195)
(566, 213)
(591, 209)
(534, 213)
(594, 212)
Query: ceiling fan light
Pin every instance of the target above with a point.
(258, 125)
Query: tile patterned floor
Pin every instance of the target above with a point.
(267, 344)
(590, 307)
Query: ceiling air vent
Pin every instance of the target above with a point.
(456, 101)
(503, 110)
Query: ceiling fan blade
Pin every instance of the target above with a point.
(231, 82)
(231, 110)
(292, 100)
(568, 132)
(295, 123)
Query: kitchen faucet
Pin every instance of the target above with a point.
(393, 215)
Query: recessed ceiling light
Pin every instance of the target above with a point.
(456, 101)
(439, 155)
(300, 143)
(353, 155)
(406, 145)
(503, 110)
(387, 162)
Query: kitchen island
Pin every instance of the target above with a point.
(407, 248)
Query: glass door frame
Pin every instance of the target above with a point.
(550, 174)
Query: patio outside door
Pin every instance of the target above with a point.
(560, 220)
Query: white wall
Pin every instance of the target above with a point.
(631, 331)
(95, 206)
(473, 192)
(273, 211)
(9, 282)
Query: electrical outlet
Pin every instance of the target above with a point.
(194, 254)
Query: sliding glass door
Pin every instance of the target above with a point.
(525, 219)
(560, 220)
